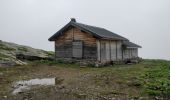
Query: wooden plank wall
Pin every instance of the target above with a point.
(129, 53)
(113, 50)
(119, 50)
(63, 44)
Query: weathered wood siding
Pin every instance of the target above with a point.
(113, 50)
(63, 44)
(126, 54)
(119, 50)
(129, 53)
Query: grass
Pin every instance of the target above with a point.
(149, 79)
(4, 47)
(49, 53)
(23, 49)
(2, 56)
(157, 79)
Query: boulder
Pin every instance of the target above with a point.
(31, 57)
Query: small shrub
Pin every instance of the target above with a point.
(59, 61)
(49, 53)
(135, 83)
(91, 65)
(49, 62)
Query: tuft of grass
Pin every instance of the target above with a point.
(23, 49)
(2, 56)
(49, 53)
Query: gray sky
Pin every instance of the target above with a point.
(32, 22)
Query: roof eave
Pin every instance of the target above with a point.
(52, 38)
(133, 47)
(114, 39)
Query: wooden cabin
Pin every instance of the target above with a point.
(80, 41)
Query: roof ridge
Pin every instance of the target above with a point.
(89, 25)
(98, 32)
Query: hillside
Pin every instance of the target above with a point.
(8, 52)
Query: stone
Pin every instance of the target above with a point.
(5, 96)
(58, 81)
(1, 74)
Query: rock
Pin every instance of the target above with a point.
(61, 87)
(9, 52)
(19, 62)
(31, 57)
(12, 63)
(7, 63)
(58, 81)
(1, 74)
(5, 96)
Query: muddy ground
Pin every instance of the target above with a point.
(118, 82)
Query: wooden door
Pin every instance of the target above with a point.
(77, 49)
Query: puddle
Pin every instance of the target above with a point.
(26, 85)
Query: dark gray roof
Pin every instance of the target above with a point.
(97, 32)
(129, 44)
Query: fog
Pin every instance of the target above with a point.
(32, 22)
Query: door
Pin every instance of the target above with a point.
(77, 49)
(103, 51)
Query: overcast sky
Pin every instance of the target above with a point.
(32, 22)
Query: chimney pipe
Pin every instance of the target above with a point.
(73, 19)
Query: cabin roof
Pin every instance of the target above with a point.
(97, 32)
(129, 44)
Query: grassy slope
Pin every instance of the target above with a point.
(150, 78)
(9, 50)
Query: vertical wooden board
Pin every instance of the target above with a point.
(103, 51)
(113, 50)
(98, 50)
(134, 53)
(107, 51)
(130, 53)
(119, 50)
(125, 54)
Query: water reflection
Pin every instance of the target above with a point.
(26, 85)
